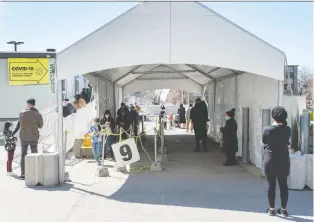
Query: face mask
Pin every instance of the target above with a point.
(227, 118)
(107, 116)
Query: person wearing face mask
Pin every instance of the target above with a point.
(275, 140)
(108, 124)
(230, 139)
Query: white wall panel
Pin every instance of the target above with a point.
(255, 92)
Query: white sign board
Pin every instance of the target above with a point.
(125, 152)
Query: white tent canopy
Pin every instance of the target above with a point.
(181, 45)
(187, 44)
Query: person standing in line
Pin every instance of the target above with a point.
(181, 112)
(122, 119)
(276, 161)
(188, 120)
(163, 116)
(109, 126)
(137, 108)
(133, 118)
(30, 121)
(96, 138)
(199, 120)
(9, 145)
(230, 138)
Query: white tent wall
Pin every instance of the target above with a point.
(253, 91)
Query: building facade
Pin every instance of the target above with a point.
(14, 94)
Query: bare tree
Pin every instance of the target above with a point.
(305, 85)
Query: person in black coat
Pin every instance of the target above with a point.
(133, 118)
(230, 139)
(275, 140)
(122, 119)
(181, 112)
(199, 120)
(68, 108)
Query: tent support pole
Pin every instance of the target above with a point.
(60, 136)
(114, 101)
(236, 92)
(97, 95)
(214, 108)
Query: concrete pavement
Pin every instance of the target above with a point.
(193, 188)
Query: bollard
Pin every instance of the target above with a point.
(245, 135)
(305, 131)
(143, 124)
(265, 123)
(103, 150)
(156, 166)
(155, 144)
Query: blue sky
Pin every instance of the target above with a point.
(286, 25)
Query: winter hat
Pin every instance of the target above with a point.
(279, 114)
(231, 113)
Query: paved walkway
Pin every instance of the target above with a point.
(194, 187)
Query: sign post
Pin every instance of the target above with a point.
(30, 71)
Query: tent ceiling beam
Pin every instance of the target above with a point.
(126, 74)
(228, 76)
(213, 70)
(170, 78)
(141, 75)
(102, 77)
(201, 72)
(183, 75)
(160, 72)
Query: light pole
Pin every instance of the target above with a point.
(15, 43)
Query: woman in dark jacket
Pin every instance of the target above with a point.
(276, 161)
(181, 112)
(230, 139)
(108, 123)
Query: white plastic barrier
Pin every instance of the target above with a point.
(50, 169)
(32, 175)
(297, 178)
(309, 170)
(41, 169)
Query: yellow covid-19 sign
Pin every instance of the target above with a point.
(28, 71)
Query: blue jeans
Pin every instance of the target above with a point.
(96, 148)
(110, 141)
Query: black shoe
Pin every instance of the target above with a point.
(205, 150)
(197, 150)
(227, 164)
(282, 212)
(271, 212)
(22, 177)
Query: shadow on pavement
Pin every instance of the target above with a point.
(63, 187)
(222, 188)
